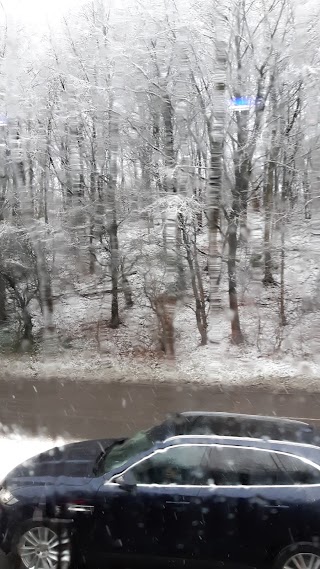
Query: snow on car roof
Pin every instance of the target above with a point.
(222, 414)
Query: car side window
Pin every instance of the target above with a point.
(179, 465)
(298, 471)
(237, 466)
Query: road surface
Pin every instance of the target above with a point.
(88, 410)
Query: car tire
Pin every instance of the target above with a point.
(308, 551)
(47, 536)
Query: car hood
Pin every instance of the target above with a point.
(74, 462)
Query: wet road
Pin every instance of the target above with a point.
(88, 410)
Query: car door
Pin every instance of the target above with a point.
(153, 510)
(255, 507)
(281, 513)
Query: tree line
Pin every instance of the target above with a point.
(156, 145)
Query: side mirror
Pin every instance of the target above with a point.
(126, 482)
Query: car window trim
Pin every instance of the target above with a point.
(163, 450)
(235, 438)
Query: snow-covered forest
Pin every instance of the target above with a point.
(160, 187)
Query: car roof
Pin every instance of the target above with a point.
(236, 425)
(244, 417)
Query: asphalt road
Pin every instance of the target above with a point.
(88, 410)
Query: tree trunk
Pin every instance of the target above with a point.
(65, 163)
(94, 180)
(239, 198)
(19, 175)
(198, 190)
(126, 288)
(175, 270)
(46, 297)
(3, 193)
(216, 134)
(181, 277)
(200, 309)
(242, 120)
(45, 292)
(202, 296)
(236, 333)
(30, 170)
(156, 145)
(92, 260)
(147, 192)
(238, 214)
(112, 216)
(242, 170)
(47, 172)
(283, 320)
(169, 188)
(214, 256)
(164, 307)
(27, 335)
(114, 251)
(169, 181)
(307, 187)
(77, 213)
(45, 175)
(43, 205)
(268, 279)
(3, 170)
(3, 301)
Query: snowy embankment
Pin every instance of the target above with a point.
(200, 368)
(286, 357)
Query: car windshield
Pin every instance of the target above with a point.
(122, 452)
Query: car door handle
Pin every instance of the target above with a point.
(177, 503)
(276, 507)
(83, 508)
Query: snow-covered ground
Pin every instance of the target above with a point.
(15, 449)
(287, 357)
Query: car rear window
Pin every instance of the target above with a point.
(256, 467)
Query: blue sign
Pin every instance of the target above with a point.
(242, 102)
(246, 103)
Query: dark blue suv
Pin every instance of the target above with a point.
(201, 488)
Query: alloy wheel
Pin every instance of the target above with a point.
(42, 548)
(303, 561)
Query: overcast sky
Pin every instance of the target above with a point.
(37, 13)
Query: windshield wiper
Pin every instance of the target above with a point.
(104, 453)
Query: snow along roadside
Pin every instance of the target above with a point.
(15, 449)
